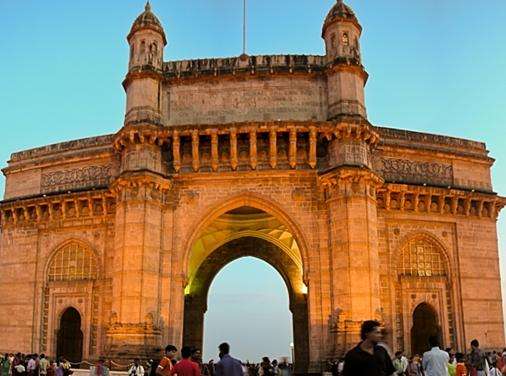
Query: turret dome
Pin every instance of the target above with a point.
(340, 12)
(147, 20)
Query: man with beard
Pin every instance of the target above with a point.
(368, 358)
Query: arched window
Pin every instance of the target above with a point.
(346, 39)
(421, 258)
(72, 262)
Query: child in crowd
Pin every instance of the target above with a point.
(461, 369)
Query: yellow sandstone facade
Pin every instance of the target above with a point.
(109, 244)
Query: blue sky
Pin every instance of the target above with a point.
(435, 66)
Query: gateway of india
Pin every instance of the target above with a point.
(109, 244)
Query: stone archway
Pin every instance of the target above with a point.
(425, 325)
(196, 296)
(70, 337)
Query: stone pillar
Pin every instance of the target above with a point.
(142, 196)
(300, 320)
(350, 193)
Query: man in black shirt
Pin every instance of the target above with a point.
(368, 358)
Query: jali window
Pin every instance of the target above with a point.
(73, 262)
(421, 258)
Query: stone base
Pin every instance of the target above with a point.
(126, 342)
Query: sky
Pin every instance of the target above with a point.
(435, 66)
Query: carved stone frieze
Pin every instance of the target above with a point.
(414, 172)
(83, 177)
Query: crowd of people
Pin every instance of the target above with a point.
(190, 364)
(372, 357)
(33, 365)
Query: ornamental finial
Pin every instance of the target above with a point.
(147, 8)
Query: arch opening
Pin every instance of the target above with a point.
(425, 325)
(70, 337)
(242, 231)
(248, 307)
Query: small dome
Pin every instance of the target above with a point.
(147, 20)
(340, 11)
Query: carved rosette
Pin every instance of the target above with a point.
(143, 187)
(349, 181)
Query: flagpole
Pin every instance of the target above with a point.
(244, 28)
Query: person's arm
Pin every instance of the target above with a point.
(196, 370)
(174, 369)
(141, 371)
(390, 369)
(161, 366)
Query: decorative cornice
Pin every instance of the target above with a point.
(347, 65)
(143, 133)
(440, 201)
(352, 128)
(143, 185)
(48, 209)
(350, 181)
(145, 71)
(185, 71)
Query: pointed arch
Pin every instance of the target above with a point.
(251, 200)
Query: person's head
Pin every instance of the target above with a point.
(460, 357)
(224, 348)
(42, 356)
(371, 331)
(137, 361)
(398, 354)
(101, 360)
(266, 360)
(196, 354)
(433, 341)
(475, 344)
(275, 362)
(170, 351)
(186, 352)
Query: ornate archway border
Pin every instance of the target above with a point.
(258, 202)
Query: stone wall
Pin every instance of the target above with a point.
(75, 165)
(246, 98)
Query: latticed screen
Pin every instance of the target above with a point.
(422, 259)
(73, 262)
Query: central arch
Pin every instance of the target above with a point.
(197, 291)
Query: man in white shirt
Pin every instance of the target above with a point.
(136, 369)
(31, 367)
(435, 361)
(43, 365)
(400, 363)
